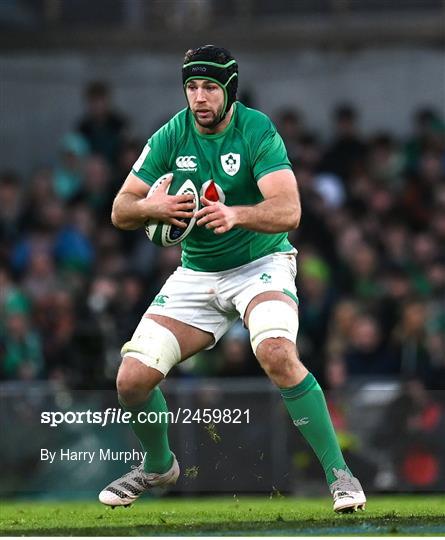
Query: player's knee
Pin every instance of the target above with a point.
(154, 346)
(277, 357)
(131, 387)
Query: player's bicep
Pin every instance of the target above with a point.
(134, 185)
(280, 184)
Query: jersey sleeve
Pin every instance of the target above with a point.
(153, 161)
(270, 154)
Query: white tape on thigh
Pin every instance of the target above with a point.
(154, 345)
(272, 319)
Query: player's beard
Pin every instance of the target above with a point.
(211, 122)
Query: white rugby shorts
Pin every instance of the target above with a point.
(213, 301)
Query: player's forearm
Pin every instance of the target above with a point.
(127, 212)
(270, 216)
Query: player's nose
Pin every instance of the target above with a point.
(200, 95)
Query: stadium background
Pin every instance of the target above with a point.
(356, 89)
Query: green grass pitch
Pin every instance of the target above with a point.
(243, 516)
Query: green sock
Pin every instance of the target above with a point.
(152, 436)
(307, 407)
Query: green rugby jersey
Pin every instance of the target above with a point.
(235, 160)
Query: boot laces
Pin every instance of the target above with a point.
(344, 482)
(138, 470)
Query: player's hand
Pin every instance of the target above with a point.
(167, 208)
(216, 216)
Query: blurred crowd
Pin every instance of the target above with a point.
(371, 271)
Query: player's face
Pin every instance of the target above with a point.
(206, 101)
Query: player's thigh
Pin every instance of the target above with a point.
(157, 345)
(270, 278)
(190, 339)
(186, 305)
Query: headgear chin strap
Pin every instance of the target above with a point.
(224, 75)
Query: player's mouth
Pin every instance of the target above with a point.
(203, 113)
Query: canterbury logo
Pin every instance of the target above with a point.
(301, 421)
(186, 163)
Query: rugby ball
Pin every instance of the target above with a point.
(165, 234)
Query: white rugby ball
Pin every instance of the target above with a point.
(165, 234)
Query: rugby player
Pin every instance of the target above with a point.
(236, 263)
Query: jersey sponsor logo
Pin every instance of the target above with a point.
(139, 162)
(266, 278)
(212, 191)
(231, 163)
(186, 163)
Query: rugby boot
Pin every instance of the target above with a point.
(347, 493)
(129, 487)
